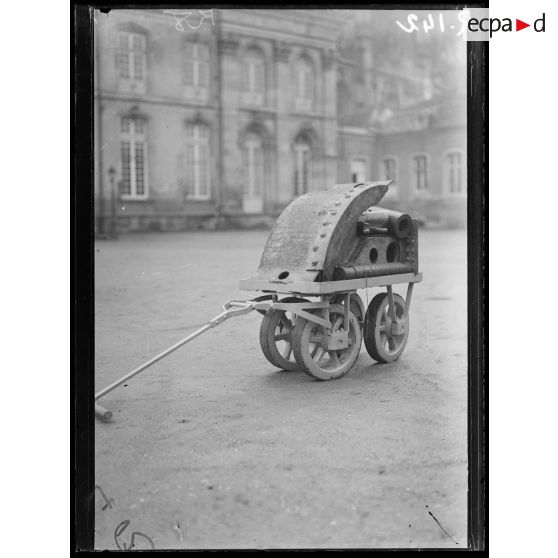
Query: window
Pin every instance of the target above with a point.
(133, 151)
(197, 161)
(254, 77)
(420, 173)
(454, 172)
(358, 169)
(303, 168)
(130, 57)
(196, 69)
(389, 172)
(254, 166)
(304, 85)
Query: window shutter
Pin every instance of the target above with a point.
(126, 183)
(202, 169)
(139, 169)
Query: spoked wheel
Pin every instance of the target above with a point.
(310, 346)
(357, 306)
(384, 341)
(275, 336)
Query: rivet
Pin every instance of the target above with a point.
(314, 263)
(315, 248)
(323, 235)
(337, 203)
(325, 223)
(333, 212)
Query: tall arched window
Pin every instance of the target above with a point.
(254, 166)
(133, 156)
(197, 161)
(254, 77)
(196, 70)
(304, 84)
(302, 167)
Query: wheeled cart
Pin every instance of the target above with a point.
(325, 246)
(319, 327)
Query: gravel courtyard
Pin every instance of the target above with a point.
(213, 447)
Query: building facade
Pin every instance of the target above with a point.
(222, 117)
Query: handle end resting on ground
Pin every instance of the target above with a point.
(102, 413)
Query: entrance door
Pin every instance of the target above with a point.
(252, 201)
(358, 169)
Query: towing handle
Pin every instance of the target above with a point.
(230, 308)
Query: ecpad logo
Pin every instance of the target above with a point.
(493, 25)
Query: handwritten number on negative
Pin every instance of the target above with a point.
(120, 528)
(108, 501)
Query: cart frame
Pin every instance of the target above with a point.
(324, 291)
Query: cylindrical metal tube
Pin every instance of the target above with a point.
(359, 271)
(398, 224)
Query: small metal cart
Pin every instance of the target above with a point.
(324, 247)
(319, 327)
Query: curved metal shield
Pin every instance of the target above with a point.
(317, 231)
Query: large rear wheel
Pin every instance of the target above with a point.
(311, 351)
(385, 338)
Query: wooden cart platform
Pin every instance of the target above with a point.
(328, 287)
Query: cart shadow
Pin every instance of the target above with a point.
(362, 374)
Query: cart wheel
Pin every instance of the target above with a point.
(275, 336)
(381, 343)
(357, 306)
(311, 353)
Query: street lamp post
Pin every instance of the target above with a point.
(101, 215)
(112, 175)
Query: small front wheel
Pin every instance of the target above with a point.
(385, 339)
(275, 336)
(310, 346)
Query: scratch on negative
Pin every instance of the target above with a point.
(434, 518)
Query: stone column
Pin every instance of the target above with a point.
(329, 65)
(282, 97)
(230, 156)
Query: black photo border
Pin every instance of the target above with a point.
(82, 263)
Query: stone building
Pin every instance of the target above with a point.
(220, 117)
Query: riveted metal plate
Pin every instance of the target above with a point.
(313, 230)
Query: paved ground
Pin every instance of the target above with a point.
(214, 447)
